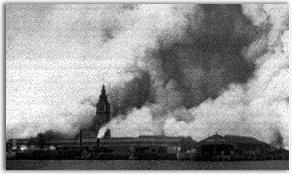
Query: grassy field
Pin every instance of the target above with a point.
(143, 165)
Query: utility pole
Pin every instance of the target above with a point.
(80, 137)
(80, 142)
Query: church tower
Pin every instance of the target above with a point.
(102, 110)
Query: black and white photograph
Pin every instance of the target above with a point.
(146, 86)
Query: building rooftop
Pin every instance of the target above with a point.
(230, 139)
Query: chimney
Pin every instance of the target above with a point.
(80, 137)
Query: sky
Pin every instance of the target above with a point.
(172, 69)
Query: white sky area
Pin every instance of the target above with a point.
(57, 56)
(48, 71)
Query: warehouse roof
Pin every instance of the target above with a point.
(230, 139)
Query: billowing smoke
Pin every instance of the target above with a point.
(132, 94)
(214, 77)
(169, 69)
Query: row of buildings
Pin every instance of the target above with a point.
(216, 147)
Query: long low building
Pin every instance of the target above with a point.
(216, 147)
(144, 147)
(147, 147)
(228, 147)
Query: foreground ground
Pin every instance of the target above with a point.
(144, 165)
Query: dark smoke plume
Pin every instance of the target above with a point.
(209, 73)
(208, 59)
(50, 135)
(133, 94)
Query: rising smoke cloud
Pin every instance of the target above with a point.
(170, 69)
(206, 80)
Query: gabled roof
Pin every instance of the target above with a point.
(230, 139)
(215, 139)
(242, 139)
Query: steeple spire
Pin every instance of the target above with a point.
(102, 109)
(103, 91)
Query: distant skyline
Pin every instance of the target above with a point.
(180, 69)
